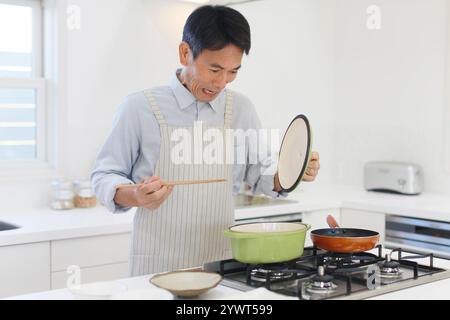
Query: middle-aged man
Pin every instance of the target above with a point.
(182, 227)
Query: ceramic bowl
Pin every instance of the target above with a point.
(187, 284)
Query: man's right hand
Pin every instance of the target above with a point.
(152, 193)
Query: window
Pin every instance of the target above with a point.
(22, 87)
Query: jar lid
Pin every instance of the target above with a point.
(62, 184)
(86, 193)
(63, 195)
(83, 184)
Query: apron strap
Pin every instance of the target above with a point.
(156, 110)
(229, 110)
(162, 120)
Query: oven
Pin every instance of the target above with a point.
(421, 235)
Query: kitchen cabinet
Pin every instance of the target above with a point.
(361, 219)
(99, 258)
(90, 251)
(24, 269)
(318, 220)
(43, 266)
(92, 274)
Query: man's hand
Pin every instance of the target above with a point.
(276, 183)
(310, 174)
(313, 168)
(152, 193)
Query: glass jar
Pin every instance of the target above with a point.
(62, 195)
(84, 195)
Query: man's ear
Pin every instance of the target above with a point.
(185, 54)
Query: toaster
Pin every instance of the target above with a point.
(394, 177)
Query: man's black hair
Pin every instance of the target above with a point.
(214, 28)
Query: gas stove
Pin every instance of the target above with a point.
(321, 275)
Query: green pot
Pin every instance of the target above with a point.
(267, 242)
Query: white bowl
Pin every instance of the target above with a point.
(187, 284)
(97, 290)
(144, 294)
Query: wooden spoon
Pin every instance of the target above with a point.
(175, 183)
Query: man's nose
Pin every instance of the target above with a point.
(221, 81)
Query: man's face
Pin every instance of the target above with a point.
(210, 73)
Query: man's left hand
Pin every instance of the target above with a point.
(310, 175)
(313, 168)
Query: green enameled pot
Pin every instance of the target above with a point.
(259, 243)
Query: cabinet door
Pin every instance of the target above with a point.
(90, 251)
(318, 220)
(364, 220)
(92, 274)
(24, 269)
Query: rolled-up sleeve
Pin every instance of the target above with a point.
(116, 158)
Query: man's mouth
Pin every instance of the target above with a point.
(209, 92)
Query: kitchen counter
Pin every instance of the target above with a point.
(434, 291)
(308, 198)
(45, 225)
(439, 290)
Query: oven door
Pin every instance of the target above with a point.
(419, 235)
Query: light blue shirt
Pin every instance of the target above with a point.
(131, 150)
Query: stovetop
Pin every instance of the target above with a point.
(319, 275)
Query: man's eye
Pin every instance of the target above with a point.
(215, 71)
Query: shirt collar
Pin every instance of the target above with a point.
(185, 98)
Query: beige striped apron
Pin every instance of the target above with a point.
(187, 230)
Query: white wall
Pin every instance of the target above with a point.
(290, 70)
(390, 88)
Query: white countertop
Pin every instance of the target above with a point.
(439, 290)
(43, 224)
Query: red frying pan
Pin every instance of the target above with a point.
(342, 240)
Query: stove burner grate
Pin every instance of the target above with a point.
(321, 283)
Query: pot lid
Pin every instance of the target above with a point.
(295, 153)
